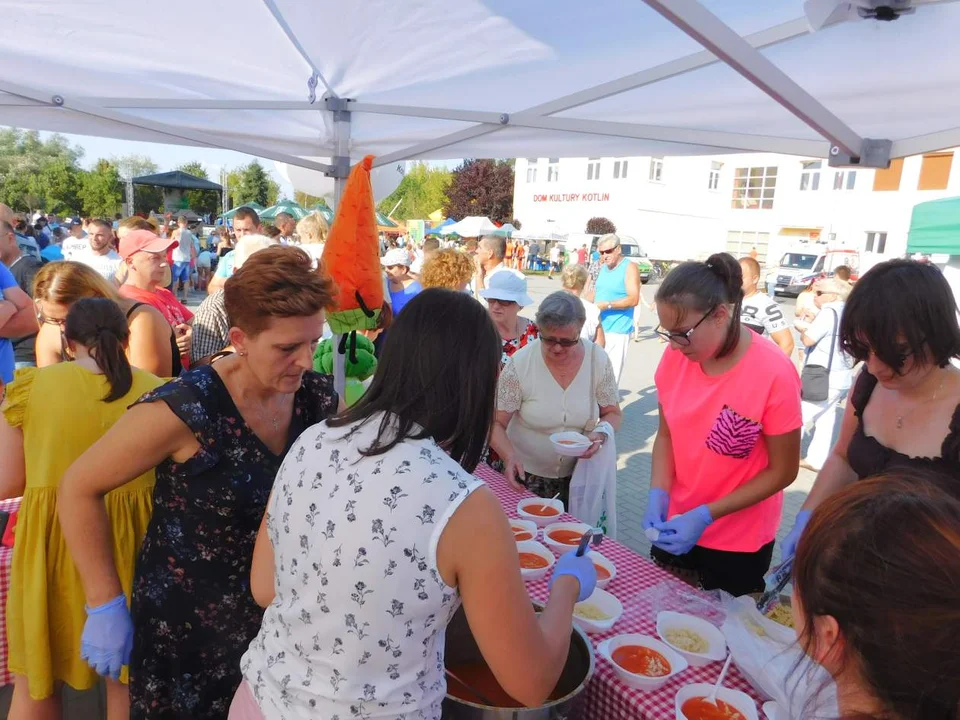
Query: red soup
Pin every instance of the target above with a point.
(532, 561)
(541, 510)
(567, 537)
(519, 535)
(699, 708)
(602, 572)
(641, 660)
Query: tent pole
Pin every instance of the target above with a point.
(340, 171)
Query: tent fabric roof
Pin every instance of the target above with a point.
(935, 227)
(605, 78)
(177, 179)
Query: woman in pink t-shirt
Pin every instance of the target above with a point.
(729, 437)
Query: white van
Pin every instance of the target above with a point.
(799, 267)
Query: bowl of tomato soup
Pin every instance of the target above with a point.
(540, 511)
(692, 704)
(640, 661)
(535, 560)
(606, 570)
(524, 530)
(570, 444)
(563, 537)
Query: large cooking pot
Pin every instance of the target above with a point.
(461, 649)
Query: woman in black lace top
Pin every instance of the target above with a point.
(904, 410)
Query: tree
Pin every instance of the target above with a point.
(306, 200)
(422, 191)
(251, 183)
(481, 187)
(200, 201)
(38, 174)
(600, 226)
(101, 190)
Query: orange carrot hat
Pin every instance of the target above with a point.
(352, 255)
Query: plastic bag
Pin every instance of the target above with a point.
(769, 657)
(678, 597)
(593, 489)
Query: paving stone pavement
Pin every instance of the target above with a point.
(638, 398)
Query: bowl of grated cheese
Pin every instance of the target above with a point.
(698, 641)
(598, 613)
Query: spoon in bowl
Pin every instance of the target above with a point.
(544, 506)
(712, 698)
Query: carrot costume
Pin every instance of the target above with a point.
(352, 256)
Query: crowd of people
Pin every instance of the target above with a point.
(208, 525)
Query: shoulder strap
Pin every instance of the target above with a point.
(593, 383)
(133, 309)
(833, 339)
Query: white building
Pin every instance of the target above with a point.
(687, 207)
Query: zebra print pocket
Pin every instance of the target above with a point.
(733, 435)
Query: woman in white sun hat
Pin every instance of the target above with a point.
(402, 287)
(505, 296)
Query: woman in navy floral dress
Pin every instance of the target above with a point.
(217, 435)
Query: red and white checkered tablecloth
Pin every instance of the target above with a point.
(606, 697)
(6, 559)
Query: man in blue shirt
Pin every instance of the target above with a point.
(16, 319)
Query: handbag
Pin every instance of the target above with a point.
(815, 379)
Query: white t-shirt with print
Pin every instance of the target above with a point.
(105, 265)
(181, 251)
(357, 625)
(762, 315)
(74, 246)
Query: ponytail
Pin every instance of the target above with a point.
(702, 286)
(100, 326)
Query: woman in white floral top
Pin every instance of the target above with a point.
(369, 543)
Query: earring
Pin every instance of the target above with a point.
(242, 354)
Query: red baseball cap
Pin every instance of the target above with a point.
(144, 241)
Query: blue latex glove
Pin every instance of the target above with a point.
(581, 568)
(679, 534)
(658, 501)
(790, 542)
(107, 638)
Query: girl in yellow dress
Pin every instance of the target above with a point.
(53, 415)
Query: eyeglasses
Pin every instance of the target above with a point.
(501, 303)
(561, 342)
(682, 338)
(609, 250)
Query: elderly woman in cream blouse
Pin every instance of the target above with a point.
(558, 382)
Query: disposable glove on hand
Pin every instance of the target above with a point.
(582, 568)
(790, 542)
(107, 638)
(680, 533)
(658, 502)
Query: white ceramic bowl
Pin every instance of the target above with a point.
(716, 643)
(571, 444)
(642, 682)
(540, 520)
(607, 604)
(741, 701)
(559, 547)
(528, 526)
(532, 546)
(607, 564)
(773, 711)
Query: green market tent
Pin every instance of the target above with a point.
(253, 205)
(384, 221)
(935, 227)
(291, 208)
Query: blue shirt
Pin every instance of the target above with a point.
(612, 286)
(51, 253)
(225, 266)
(6, 347)
(400, 298)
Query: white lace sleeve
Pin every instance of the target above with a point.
(509, 394)
(607, 391)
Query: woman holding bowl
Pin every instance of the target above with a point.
(557, 383)
(370, 543)
(217, 436)
(729, 437)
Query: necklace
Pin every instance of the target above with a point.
(913, 409)
(275, 420)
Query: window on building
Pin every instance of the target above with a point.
(553, 169)
(810, 176)
(620, 169)
(754, 188)
(714, 182)
(889, 178)
(742, 244)
(656, 169)
(593, 169)
(844, 179)
(876, 242)
(531, 170)
(935, 171)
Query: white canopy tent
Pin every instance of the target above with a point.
(472, 226)
(547, 79)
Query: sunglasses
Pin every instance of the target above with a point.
(561, 342)
(501, 303)
(682, 338)
(609, 250)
